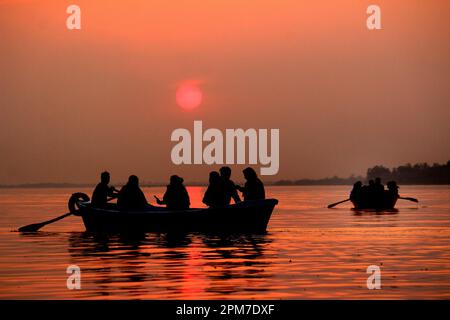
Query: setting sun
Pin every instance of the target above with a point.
(189, 96)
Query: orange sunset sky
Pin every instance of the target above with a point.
(76, 102)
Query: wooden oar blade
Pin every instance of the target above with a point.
(410, 199)
(74, 199)
(31, 227)
(36, 226)
(336, 203)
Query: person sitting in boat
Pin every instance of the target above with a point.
(371, 185)
(230, 187)
(369, 194)
(378, 187)
(102, 191)
(378, 191)
(131, 195)
(356, 193)
(253, 188)
(215, 195)
(176, 196)
(392, 189)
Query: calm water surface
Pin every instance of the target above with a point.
(309, 251)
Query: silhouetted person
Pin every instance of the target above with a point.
(131, 195)
(371, 185)
(253, 188)
(369, 196)
(176, 196)
(364, 191)
(356, 192)
(378, 191)
(230, 187)
(392, 189)
(378, 186)
(102, 191)
(215, 195)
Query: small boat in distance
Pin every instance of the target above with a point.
(374, 197)
(387, 201)
(246, 216)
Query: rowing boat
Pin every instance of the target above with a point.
(246, 216)
(386, 202)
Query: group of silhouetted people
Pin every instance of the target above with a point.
(176, 196)
(374, 193)
(129, 196)
(220, 191)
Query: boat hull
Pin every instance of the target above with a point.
(385, 203)
(247, 216)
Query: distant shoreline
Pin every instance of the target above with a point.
(418, 174)
(274, 184)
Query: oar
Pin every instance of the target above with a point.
(336, 203)
(408, 198)
(36, 226)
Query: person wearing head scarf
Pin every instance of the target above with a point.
(215, 195)
(253, 188)
(356, 192)
(131, 195)
(176, 196)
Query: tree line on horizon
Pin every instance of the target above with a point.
(419, 173)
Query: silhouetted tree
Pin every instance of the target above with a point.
(420, 173)
(379, 171)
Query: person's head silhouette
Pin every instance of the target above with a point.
(214, 177)
(225, 173)
(249, 174)
(133, 181)
(176, 180)
(105, 177)
(377, 180)
(392, 185)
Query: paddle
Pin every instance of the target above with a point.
(36, 226)
(336, 203)
(408, 198)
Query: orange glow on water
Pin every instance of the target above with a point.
(309, 251)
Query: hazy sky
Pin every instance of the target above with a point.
(76, 102)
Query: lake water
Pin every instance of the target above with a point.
(308, 252)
